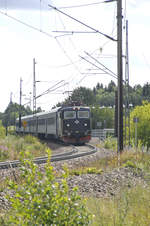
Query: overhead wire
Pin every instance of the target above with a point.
(65, 29)
(50, 89)
(78, 6)
(110, 71)
(27, 25)
(75, 48)
(71, 18)
(96, 31)
(67, 56)
(98, 67)
(40, 30)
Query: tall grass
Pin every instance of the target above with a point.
(130, 207)
(11, 147)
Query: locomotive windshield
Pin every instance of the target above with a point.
(69, 114)
(83, 114)
(72, 114)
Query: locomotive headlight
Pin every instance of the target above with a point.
(68, 125)
(85, 124)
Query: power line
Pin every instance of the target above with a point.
(102, 65)
(98, 67)
(65, 29)
(67, 56)
(78, 32)
(27, 25)
(83, 5)
(97, 31)
(50, 89)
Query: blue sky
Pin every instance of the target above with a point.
(58, 55)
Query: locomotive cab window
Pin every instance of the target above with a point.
(69, 114)
(83, 114)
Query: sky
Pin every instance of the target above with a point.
(71, 58)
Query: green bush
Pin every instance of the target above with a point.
(30, 139)
(2, 130)
(85, 170)
(110, 143)
(40, 200)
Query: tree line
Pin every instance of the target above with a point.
(101, 99)
(104, 96)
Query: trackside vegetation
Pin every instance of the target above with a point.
(39, 199)
(142, 127)
(131, 206)
(43, 198)
(11, 146)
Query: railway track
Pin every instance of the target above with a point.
(75, 152)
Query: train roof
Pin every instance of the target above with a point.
(52, 111)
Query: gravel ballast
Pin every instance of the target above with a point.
(106, 184)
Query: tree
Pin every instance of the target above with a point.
(105, 116)
(111, 87)
(143, 124)
(12, 112)
(82, 95)
(105, 98)
(2, 130)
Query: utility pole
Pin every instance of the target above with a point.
(20, 104)
(127, 109)
(120, 75)
(34, 88)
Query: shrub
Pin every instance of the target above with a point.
(40, 200)
(3, 153)
(2, 130)
(110, 143)
(30, 139)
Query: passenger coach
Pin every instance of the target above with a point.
(70, 124)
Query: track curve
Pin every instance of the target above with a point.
(74, 153)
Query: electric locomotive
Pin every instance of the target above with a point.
(70, 124)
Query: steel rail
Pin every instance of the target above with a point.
(54, 158)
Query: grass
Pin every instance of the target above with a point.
(11, 146)
(131, 207)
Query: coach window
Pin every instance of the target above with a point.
(41, 122)
(83, 114)
(51, 121)
(69, 114)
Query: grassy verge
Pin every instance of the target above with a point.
(130, 207)
(11, 147)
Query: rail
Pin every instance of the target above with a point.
(60, 157)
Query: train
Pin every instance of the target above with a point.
(69, 124)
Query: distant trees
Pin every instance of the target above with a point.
(102, 117)
(105, 95)
(82, 95)
(102, 100)
(99, 97)
(12, 112)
